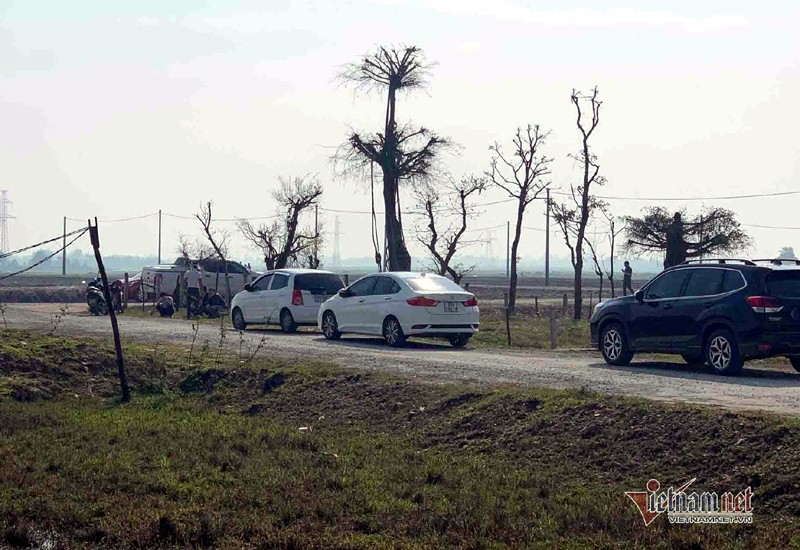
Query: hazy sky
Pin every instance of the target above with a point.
(117, 109)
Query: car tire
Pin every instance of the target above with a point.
(693, 359)
(330, 328)
(722, 353)
(237, 319)
(287, 322)
(393, 333)
(459, 340)
(795, 361)
(614, 345)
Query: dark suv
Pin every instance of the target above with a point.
(720, 312)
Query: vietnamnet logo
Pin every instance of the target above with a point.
(685, 507)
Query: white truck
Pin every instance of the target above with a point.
(166, 277)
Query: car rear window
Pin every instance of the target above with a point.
(784, 284)
(323, 283)
(433, 283)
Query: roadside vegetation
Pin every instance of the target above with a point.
(235, 451)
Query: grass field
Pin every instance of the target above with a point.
(224, 451)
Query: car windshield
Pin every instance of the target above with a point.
(433, 283)
(784, 284)
(324, 283)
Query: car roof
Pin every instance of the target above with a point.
(298, 271)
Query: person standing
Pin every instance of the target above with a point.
(194, 285)
(627, 276)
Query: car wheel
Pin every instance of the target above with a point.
(614, 345)
(459, 340)
(795, 361)
(393, 333)
(237, 318)
(693, 359)
(287, 322)
(330, 328)
(141, 294)
(722, 353)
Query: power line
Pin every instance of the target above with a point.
(727, 197)
(7, 254)
(768, 226)
(49, 257)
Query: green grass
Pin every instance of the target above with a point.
(212, 454)
(529, 331)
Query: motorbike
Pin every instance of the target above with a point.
(95, 298)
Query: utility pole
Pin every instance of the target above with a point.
(508, 250)
(4, 217)
(316, 236)
(64, 251)
(159, 236)
(123, 379)
(547, 242)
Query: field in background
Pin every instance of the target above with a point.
(220, 451)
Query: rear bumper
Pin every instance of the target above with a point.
(441, 329)
(771, 345)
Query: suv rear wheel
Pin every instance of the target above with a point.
(722, 353)
(614, 345)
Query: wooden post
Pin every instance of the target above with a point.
(123, 379)
(564, 304)
(591, 300)
(346, 279)
(553, 330)
(536, 305)
(508, 323)
(125, 289)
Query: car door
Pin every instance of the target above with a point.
(703, 291)
(252, 302)
(653, 321)
(380, 304)
(276, 296)
(350, 313)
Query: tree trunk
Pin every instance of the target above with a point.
(578, 288)
(512, 283)
(611, 276)
(399, 258)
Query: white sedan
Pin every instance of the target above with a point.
(397, 305)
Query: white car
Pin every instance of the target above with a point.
(397, 305)
(289, 297)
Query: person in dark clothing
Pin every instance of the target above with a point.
(627, 276)
(213, 304)
(165, 305)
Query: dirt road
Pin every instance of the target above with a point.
(756, 389)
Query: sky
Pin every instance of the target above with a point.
(119, 109)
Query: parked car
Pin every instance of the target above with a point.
(289, 297)
(165, 277)
(399, 305)
(718, 312)
(136, 290)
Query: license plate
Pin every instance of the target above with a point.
(451, 307)
(319, 297)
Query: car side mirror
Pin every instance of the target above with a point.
(248, 287)
(639, 295)
(344, 293)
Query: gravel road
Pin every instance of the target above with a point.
(756, 389)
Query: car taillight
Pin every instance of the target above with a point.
(764, 304)
(421, 301)
(472, 302)
(297, 297)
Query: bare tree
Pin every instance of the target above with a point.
(442, 243)
(218, 241)
(614, 230)
(521, 175)
(194, 250)
(573, 218)
(401, 152)
(284, 240)
(597, 264)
